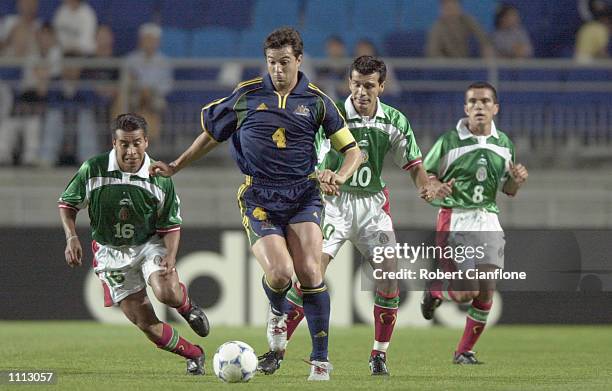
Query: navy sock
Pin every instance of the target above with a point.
(277, 297)
(316, 309)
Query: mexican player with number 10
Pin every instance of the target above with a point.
(135, 225)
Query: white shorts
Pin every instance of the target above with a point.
(126, 270)
(364, 220)
(472, 228)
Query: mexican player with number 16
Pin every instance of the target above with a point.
(135, 226)
(469, 165)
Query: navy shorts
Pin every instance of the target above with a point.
(268, 207)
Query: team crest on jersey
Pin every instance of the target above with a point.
(260, 214)
(481, 174)
(124, 212)
(364, 156)
(363, 143)
(302, 110)
(383, 238)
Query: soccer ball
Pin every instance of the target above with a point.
(235, 362)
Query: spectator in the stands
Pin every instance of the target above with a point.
(510, 38)
(333, 75)
(151, 76)
(451, 33)
(18, 32)
(593, 38)
(75, 24)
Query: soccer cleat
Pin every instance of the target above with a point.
(197, 320)
(277, 331)
(319, 370)
(429, 303)
(269, 362)
(195, 366)
(378, 364)
(466, 358)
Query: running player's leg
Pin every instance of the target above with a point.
(305, 243)
(138, 309)
(168, 289)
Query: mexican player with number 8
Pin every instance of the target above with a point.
(135, 225)
(468, 166)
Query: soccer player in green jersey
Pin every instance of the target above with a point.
(469, 165)
(359, 210)
(135, 226)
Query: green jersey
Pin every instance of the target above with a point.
(125, 209)
(479, 165)
(387, 131)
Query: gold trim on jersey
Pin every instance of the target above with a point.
(341, 139)
(248, 82)
(314, 87)
(282, 100)
(241, 190)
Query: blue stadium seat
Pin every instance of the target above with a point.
(405, 43)
(330, 17)
(417, 14)
(176, 42)
(235, 15)
(215, 42)
(314, 42)
(187, 14)
(384, 14)
(250, 43)
(125, 17)
(482, 10)
(270, 14)
(352, 37)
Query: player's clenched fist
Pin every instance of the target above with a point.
(73, 252)
(331, 178)
(161, 168)
(518, 172)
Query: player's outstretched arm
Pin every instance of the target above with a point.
(171, 242)
(518, 176)
(440, 190)
(203, 144)
(74, 251)
(352, 160)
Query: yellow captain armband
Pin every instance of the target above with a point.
(342, 140)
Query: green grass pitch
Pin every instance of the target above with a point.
(91, 356)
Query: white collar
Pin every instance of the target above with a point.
(351, 113)
(114, 166)
(464, 132)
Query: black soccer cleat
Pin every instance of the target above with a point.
(197, 320)
(378, 365)
(195, 366)
(269, 362)
(429, 303)
(466, 358)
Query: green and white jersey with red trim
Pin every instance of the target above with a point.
(387, 132)
(479, 165)
(125, 209)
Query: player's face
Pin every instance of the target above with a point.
(283, 67)
(480, 106)
(130, 148)
(365, 89)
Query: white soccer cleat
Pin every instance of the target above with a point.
(319, 370)
(277, 331)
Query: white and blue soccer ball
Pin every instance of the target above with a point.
(235, 362)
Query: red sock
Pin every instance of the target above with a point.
(443, 291)
(385, 315)
(173, 342)
(294, 317)
(474, 325)
(185, 306)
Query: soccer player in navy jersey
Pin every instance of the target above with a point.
(272, 122)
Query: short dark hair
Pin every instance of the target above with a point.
(129, 122)
(285, 36)
(367, 65)
(483, 84)
(501, 13)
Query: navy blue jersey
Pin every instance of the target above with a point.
(273, 135)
